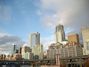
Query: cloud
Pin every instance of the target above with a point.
(3, 34)
(7, 41)
(72, 14)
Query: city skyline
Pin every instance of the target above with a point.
(19, 18)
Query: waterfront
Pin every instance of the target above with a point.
(41, 66)
(32, 66)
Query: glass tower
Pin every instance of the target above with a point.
(35, 39)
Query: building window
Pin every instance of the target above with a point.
(87, 44)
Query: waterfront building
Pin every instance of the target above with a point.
(58, 59)
(73, 38)
(85, 35)
(38, 51)
(70, 50)
(51, 52)
(16, 56)
(26, 52)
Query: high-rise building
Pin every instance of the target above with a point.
(60, 34)
(34, 39)
(73, 38)
(26, 52)
(37, 48)
(14, 48)
(85, 35)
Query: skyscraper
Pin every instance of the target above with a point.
(37, 48)
(14, 48)
(85, 35)
(34, 39)
(60, 34)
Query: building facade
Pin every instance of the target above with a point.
(73, 38)
(38, 51)
(60, 34)
(51, 52)
(34, 39)
(85, 35)
(70, 51)
(26, 53)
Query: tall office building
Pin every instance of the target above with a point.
(85, 35)
(34, 39)
(60, 34)
(73, 38)
(37, 48)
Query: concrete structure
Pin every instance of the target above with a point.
(58, 45)
(58, 60)
(26, 52)
(34, 39)
(51, 52)
(38, 51)
(17, 56)
(60, 34)
(85, 35)
(75, 61)
(70, 51)
(73, 38)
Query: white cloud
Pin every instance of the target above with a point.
(73, 14)
(3, 34)
(66, 12)
(7, 41)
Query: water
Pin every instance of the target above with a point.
(25, 66)
(20, 66)
(28, 66)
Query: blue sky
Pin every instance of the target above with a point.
(21, 17)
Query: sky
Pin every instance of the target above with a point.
(19, 18)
